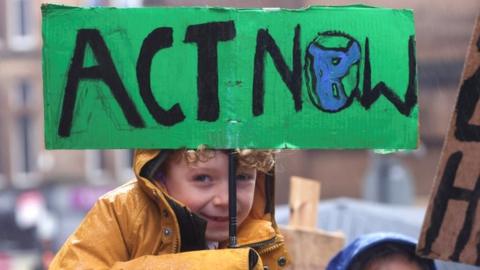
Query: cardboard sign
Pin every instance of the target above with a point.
(309, 248)
(322, 77)
(451, 228)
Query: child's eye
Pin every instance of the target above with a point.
(202, 178)
(244, 177)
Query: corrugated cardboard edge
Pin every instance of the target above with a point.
(440, 249)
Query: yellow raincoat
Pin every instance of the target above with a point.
(139, 226)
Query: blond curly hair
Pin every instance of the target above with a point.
(262, 160)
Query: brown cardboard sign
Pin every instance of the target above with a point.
(303, 240)
(311, 249)
(451, 229)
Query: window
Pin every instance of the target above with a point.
(24, 126)
(25, 135)
(24, 17)
(23, 94)
(21, 24)
(3, 23)
(3, 180)
(24, 123)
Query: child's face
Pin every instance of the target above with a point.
(203, 188)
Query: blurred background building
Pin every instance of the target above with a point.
(60, 186)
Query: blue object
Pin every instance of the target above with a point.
(346, 256)
(328, 67)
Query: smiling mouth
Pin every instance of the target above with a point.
(216, 218)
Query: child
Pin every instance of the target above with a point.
(379, 251)
(174, 215)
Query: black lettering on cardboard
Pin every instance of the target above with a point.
(158, 39)
(369, 95)
(446, 192)
(207, 36)
(468, 98)
(293, 79)
(105, 71)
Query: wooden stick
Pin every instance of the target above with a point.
(304, 197)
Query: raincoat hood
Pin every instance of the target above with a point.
(259, 227)
(348, 255)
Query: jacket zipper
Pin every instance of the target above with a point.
(259, 244)
(269, 249)
(176, 248)
(266, 250)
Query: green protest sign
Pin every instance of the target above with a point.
(322, 77)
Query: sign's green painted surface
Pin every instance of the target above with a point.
(335, 106)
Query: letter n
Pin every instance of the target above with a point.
(293, 79)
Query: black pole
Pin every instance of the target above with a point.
(232, 198)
